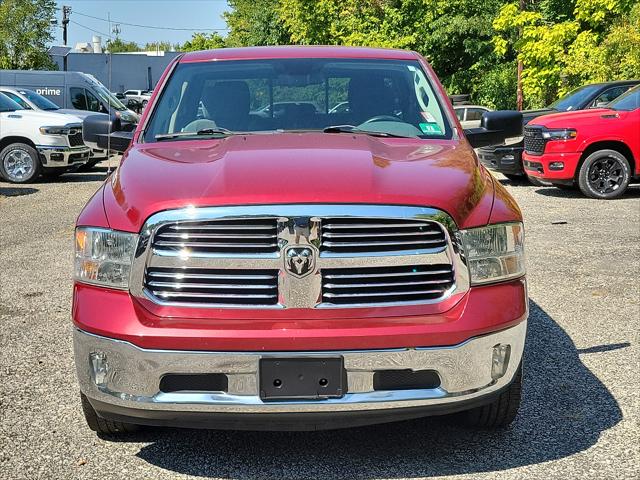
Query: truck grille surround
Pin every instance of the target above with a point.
(534, 143)
(299, 256)
(75, 139)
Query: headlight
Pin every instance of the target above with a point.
(494, 253)
(559, 134)
(54, 130)
(104, 257)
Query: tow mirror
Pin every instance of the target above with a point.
(494, 128)
(106, 132)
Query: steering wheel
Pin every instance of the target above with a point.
(199, 124)
(383, 118)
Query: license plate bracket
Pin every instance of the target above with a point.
(309, 378)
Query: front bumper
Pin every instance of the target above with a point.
(58, 156)
(122, 382)
(552, 166)
(504, 159)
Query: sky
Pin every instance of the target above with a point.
(194, 15)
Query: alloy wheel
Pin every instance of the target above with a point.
(606, 175)
(18, 165)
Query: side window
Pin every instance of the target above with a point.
(129, 92)
(78, 98)
(18, 100)
(609, 95)
(460, 114)
(474, 113)
(93, 103)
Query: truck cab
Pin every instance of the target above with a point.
(316, 269)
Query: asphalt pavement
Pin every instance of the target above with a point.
(579, 418)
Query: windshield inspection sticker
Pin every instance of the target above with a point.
(430, 128)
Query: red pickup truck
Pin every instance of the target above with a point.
(304, 268)
(598, 149)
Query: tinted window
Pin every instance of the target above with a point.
(629, 101)
(18, 100)
(474, 113)
(610, 94)
(8, 105)
(460, 114)
(39, 101)
(78, 98)
(93, 103)
(386, 96)
(576, 99)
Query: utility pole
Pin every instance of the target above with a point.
(66, 11)
(519, 93)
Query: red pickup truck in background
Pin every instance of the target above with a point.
(598, 150)
(318, 268)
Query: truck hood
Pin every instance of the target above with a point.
(47, 118)
(575, 119)
(285, 168)
(529, 115)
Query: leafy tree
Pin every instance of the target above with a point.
(161, 46)
(118, 45)
(203, 41)
(25, 30)
(255, 22)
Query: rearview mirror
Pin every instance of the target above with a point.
(494, 128)
(107, 133)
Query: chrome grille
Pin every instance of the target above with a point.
(411, 283)
(533, 141)
(75, 140)
(213, 286)
(247, 236)
(368, 235)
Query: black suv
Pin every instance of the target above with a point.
(507, 159)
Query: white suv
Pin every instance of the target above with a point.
(34, 143)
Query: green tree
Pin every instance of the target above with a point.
(255, 22)
(203, 41)
(161, 46)
(118, 45)
(25, 30)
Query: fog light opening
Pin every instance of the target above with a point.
(556, 166)
(99, 367)
(500, 361)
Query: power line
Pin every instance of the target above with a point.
(155, 27)
(90, 29)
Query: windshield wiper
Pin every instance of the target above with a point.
(203, 132)
(354, 129)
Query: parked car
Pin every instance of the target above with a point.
(470, 115)
(34, 143)
(69, 90)
(31, 100)
(141, 96)
(241, 272)
(597, 150)
(507, 158)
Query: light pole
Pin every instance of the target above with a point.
(66, 11)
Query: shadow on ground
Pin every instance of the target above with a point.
(565, 409)
(632, 192)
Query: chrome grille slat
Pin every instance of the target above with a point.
(163, 243)
(222, 227)
(379, 235)
(195, 236)
(379, 285)
(226, 287)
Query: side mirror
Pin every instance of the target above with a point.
(120, 96)
(107, 133)
(494, 128)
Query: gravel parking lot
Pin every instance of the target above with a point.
(580, 412)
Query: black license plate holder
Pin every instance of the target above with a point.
(309, 378)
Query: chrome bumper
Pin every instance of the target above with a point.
(63, 156)
(132, 376)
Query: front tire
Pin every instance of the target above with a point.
(19, 163)
(604, 174)
(102, 425)
(502, 411)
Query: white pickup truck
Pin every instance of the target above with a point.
(34, 143)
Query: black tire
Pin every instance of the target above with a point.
(535, 181)
(53, 172)
(605, 174)
(144, 103)
(18, 152)
(502, 411)
(513, 178)
(104, 426)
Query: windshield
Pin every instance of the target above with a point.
(38, 100)
(627, 101)
(391, 97)
(575, 99)
(109, 98)
(8, 105)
